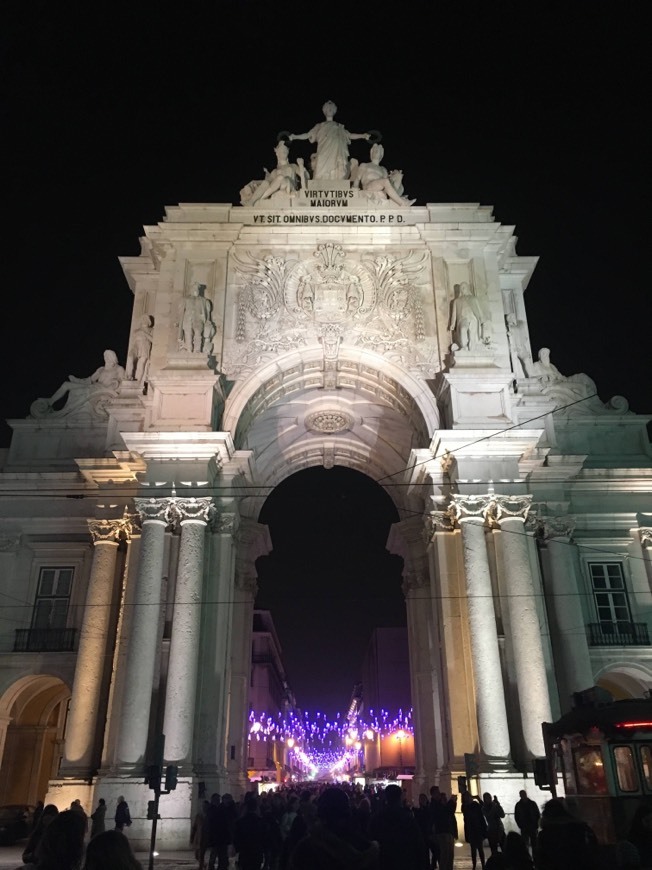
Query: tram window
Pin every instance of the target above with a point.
(625, 768)
(646, 764)
(591, 777)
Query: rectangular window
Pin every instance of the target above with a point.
(646, 764)
(625, 768)
(52, 598)
(610, 596)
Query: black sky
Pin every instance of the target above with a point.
(113, 111)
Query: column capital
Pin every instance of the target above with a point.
(154, 509)
(438, 521)
(111, 531)
(246, 583)
(413, 581)
(490, 507)
(646, 536)
(224, 522)
(182, 509)
(555, 527)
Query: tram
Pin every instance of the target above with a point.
(604, 755)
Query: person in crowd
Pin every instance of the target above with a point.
(526, 815)
(29, 853)
(38, 812)
(494, 815)
(97, 818)
(445, 825)
(250, 835)
(398, 835)
(640, 833)
(62, 844)
(196, 833)
(76, 807)
(273, 841)
(122, 814)
(565, 842)
(304, 821)
(332, 844)
(514, 855)
(475, 828)
(216, 835)
(110, 850)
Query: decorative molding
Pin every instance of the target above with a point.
(246, 582)
(329, 421)
(113, 531)
(555, 527)
(224, 523)
(154, 509)
(491, 507)
(646, 536)
(9, 543)
(437, 521)
(192, 509)
(413, 581)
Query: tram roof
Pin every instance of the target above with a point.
(618, 717)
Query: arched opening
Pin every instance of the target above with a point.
(33, 711)
(625, 681)
(330, 584)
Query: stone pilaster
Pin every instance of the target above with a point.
(156, 515)
(192, 514)
(81, 729)
(470, 512)
(510, 512)
(570, 645)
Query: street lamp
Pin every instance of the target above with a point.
(400, 736)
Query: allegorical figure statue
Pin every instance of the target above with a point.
(102, 384)
(468, 322)
(141, 346)
(548, 374)
(333, 140)
(374, 178)
(285, 178)
(196, 328)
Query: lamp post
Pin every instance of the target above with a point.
(400, 736)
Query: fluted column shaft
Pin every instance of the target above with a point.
(181, 688)
(141, 662)
(529, 663)
(490, 695)
(81, 727)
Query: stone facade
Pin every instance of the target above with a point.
(327, 321)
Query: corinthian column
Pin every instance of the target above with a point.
(81, 728)
(531, 678)
(470, 512)
(193, 515)
(141, 662)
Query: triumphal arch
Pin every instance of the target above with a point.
(327, 319)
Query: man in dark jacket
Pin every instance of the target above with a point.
(526, 815)
(398, 835)
(250, 835)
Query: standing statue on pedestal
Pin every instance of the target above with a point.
(468, 322)
(141, 346)
(195, 334)
(374, 178)
(88, 395)
(333, 140)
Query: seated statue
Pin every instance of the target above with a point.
(374, 178)
(87, 395)
(576, 394)
(286, 178)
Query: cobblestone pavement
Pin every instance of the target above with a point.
(10, 859)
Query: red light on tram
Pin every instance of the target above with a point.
(633, 724)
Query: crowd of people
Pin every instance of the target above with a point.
(345, 827)
(58, 839)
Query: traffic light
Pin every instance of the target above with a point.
(541, 772)
(462, 784)
(171, 772)
(151, 810)
(153, 776)
(471, 765)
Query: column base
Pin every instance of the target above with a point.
(176, 809)
(506, 785)
(496, 764)
(63, 790)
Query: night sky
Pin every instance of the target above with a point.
(113, 111)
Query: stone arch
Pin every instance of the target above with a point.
(370, 421)
(625, 680)
(32, 720)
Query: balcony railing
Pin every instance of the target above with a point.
(45, 639)
(618, 634)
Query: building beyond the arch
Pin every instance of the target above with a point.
(326, 321)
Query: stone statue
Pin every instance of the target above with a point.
(141, 346)
(574, 394)
(468, 323)
(333, 140)
(580, 385)
(194, 317)
(286, 178)
(94, 392)
(374, 178)
(517, 354)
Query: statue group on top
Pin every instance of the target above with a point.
(330, 162)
